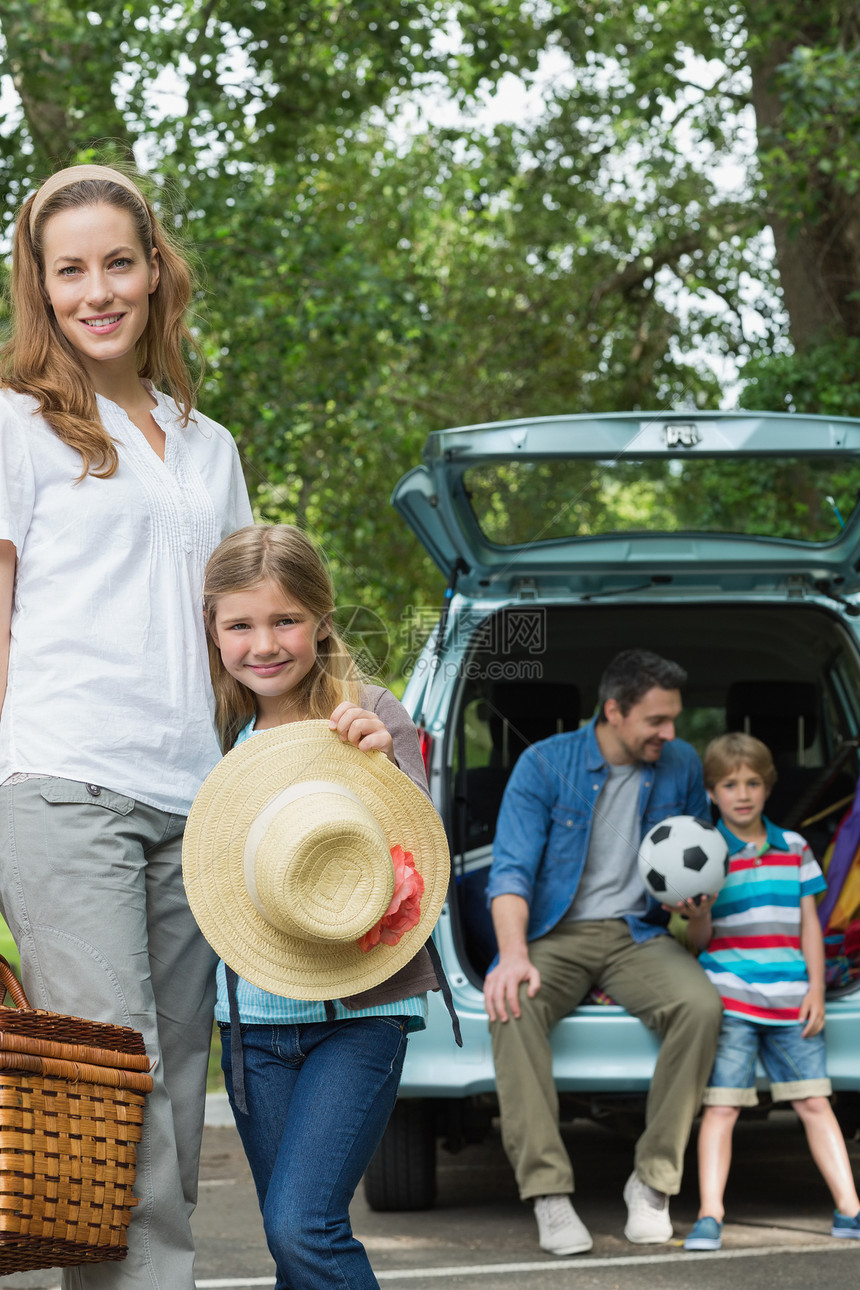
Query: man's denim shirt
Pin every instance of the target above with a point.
(544, 823)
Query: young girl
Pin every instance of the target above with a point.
(113, 493)
(320, 1079)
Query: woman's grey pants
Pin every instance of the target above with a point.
(91, 887)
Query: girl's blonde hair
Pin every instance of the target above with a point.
(728, 752)
(38, 359)
(282, 554)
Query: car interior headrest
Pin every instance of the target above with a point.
(521, 712)
(782, 714)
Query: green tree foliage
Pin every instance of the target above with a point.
(256, 121)
(673, 89)
(365, 280)
(782, 497)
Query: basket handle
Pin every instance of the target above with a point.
(12, 985)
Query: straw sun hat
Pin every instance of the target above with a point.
(299, 846)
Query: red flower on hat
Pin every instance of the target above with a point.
(405, 909)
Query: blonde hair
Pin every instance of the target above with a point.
(282, 554)
(38, 359)
(726, 753)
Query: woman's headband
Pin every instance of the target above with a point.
(73, 175)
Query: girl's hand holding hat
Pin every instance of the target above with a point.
(297, 846)
(361, 728)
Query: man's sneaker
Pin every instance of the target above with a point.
(648, 1221)
(845, 1226)
(706, 1234)
(560, 1229)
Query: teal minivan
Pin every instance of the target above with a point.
(729, 542)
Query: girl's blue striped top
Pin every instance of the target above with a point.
(261, 1007)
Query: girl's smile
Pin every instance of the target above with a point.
(268, 642)
(267, 669)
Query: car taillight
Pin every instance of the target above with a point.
(425, 743)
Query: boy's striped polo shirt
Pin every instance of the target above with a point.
(754, 957)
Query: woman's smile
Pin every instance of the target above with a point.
(106, 323)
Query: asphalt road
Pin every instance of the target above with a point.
(480, 1237)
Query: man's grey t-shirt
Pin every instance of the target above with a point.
(610, 886)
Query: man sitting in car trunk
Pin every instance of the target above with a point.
(570, 913)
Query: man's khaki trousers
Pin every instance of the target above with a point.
(657, 981)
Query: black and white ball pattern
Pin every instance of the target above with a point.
(682, 858)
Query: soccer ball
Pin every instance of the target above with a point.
(683, 858)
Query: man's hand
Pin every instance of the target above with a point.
(501, 986)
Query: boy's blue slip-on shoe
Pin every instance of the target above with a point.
(845, 1226)
(707, 1234)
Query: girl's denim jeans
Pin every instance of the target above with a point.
(319, 1097)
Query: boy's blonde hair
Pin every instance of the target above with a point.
(726, 753)
(282, 554)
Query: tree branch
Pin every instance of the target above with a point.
(646, 266)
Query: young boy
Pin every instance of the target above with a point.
(762, 948)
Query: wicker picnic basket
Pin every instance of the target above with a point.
(72, 1095)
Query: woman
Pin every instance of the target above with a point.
(112, 496)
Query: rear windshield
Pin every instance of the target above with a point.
(808, 499)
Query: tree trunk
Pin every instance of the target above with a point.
(818, 257)
(42, 43)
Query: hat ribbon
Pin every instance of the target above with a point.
(404, 912)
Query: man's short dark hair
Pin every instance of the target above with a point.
(630, 676)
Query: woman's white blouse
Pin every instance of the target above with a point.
(108, 670)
